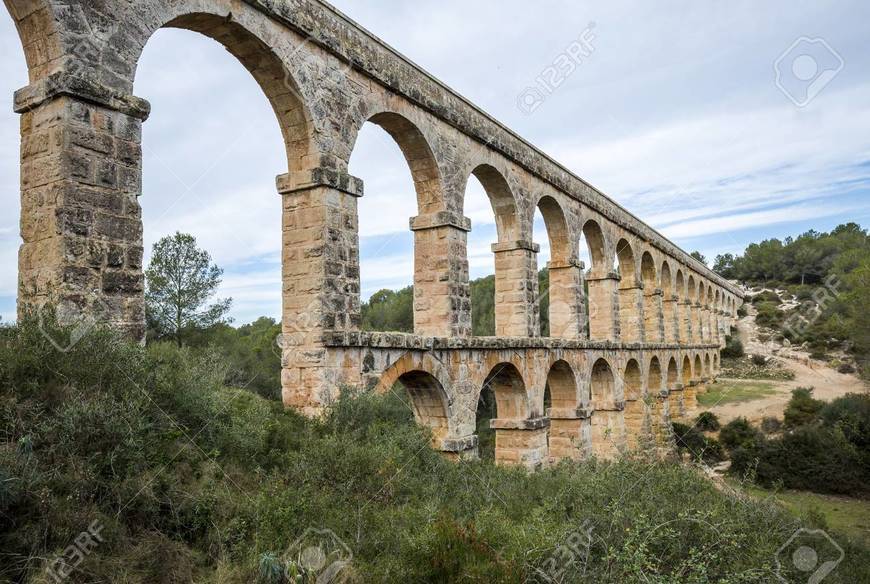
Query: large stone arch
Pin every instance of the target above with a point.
(566, 314)
(596, 241)
(418, 153)
(636, 413)
(608, 420)
(501, 198)
(673, 378)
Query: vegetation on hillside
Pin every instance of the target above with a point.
(184, 479)
(828, 274)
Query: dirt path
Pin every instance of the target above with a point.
(828, 384)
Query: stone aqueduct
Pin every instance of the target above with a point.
(621, 359)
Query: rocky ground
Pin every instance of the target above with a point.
(826, 382)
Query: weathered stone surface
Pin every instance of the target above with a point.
(618, 363)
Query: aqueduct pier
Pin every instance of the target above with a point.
(633, 336)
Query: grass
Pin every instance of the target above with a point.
(728, 392)
(843, 514)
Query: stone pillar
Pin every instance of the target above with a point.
(631, 315)
(81, 223)
(697, 324)
(706, 321)
(672, 319)
(686, 332)
(604, 307)
(320, 259)
(676, 403)
(690, 400)
(660, 421)
(638, 428)
(442, 294)
(521, 442)
(567, 311)
(570, 434)
(457, 449)
(516, 289)
(608, 429)
(654, 317)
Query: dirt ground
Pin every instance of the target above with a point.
(828, 384)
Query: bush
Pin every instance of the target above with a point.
(769, 315)
(707, 422)
(771, 425)
(742, 311)
(699, 447)
(846, 369)
(739, 433)
(802, 408)
(767, 296)
(759, 360)
(733, 348)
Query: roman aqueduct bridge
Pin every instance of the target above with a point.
(621, 359)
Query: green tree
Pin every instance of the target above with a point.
(724, 265)
(180, 281)
(700, 257)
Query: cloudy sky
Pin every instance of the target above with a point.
(674, 110)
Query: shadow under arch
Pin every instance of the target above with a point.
(562, 388)
(673, 374)
(502, 200)
(428, 401)
(654, 377)
(687, 371)
(560, 281)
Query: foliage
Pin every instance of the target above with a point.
(698, 446)
(251, 354)
(707, 422)
(824, 448)
(739, 433)
(389, 311)
(802, 408)
(195, 482)
(483, 307)
(180, 281)
(733, 348)
(699, 256)
(829, 274)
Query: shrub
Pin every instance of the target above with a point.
(769, 315)
(739, 433)
(759, 360)
(771, 425)
(850, 414)
(699, 447)
(742, 311)
(802, 408)
(707, 422)
(733, 348)
(846, 369)
(766, 296)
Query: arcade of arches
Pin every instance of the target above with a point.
(633, 336)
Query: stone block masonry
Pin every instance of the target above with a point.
(625, 343)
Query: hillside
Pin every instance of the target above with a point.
(179, 478)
